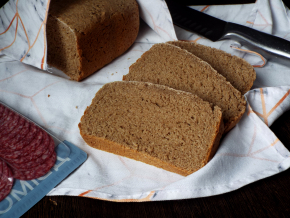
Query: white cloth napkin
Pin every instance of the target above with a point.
(248, 153)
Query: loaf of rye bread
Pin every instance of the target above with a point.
(155, 124)
(85, 35)
(236, 70)
(169, 65)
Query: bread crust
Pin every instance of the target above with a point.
(100, 31)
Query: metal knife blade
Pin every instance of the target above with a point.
(271, 47)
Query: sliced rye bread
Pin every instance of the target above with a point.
(236, 70)
(169, 65)
(155, 124)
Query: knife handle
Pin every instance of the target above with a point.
(271, 47)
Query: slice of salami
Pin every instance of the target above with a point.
(6, 119)
(6, 139)
(35, 172)
(2, 108)
(5, 175)
(19, 136)
(41, 159)
(28, 153)
(11, 124)
(6, 171)
(8, 154)
(3, 115)
(33, 130)
(38, 158)
(6, 180)
(2, 175)
(6, 190)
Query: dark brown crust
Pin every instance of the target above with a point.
(105, 36)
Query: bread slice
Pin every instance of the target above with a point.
(84, 36)
(236, 70)
(172, 66)
(167, 128)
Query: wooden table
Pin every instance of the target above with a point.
(269, 197)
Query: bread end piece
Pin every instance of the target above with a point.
(84, 36)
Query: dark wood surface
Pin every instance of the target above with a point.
(269, 197)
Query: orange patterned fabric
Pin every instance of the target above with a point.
(20, 25)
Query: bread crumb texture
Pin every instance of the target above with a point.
(85, 35)
(169, 65)
(236, 70)
(171, 129)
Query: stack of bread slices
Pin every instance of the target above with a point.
(172, 108)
